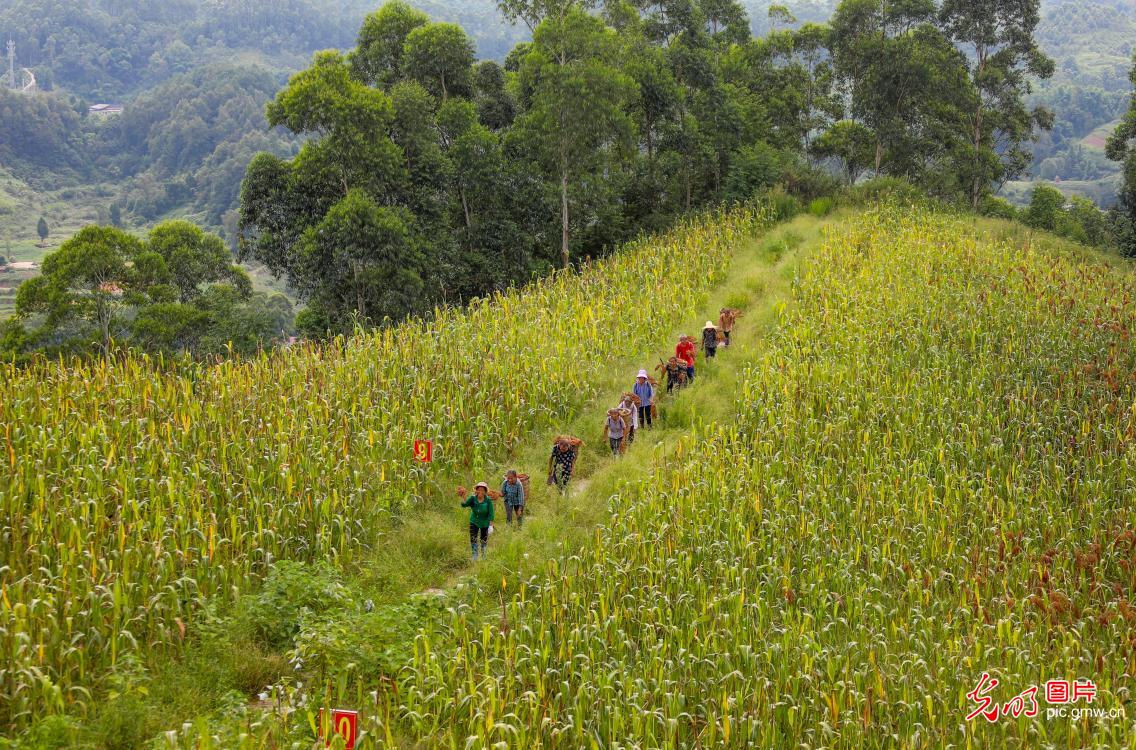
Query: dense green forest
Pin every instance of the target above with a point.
(194, 76)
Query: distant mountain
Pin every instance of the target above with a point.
(1091, 40)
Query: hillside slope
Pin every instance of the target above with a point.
(929, 477)
(136, 492)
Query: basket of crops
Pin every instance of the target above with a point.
(624, 412)
(574, 442)
(632, 398)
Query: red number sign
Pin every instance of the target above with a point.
(343, 724)
(424, 451)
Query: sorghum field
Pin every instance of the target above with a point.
(930, 477)
(134, 490)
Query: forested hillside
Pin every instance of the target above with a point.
(194, 76)
(1092, 42)
(176, 56)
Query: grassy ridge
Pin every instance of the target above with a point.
(931, 478)
(422, 568)
(132, 493)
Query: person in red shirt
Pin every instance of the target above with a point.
(685, 352)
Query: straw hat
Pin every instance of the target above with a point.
(480, 484)
(613, 410)
(642, 374)
(708, 325)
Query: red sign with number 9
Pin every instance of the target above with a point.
(424, 451)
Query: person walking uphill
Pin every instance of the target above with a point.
(685, 353)
(562, 461)
(480, 517)
(646, 393)
(675, 373)
(710, 340)
(615, 430)
(727, 316)
(513, 493)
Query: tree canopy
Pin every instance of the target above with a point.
(175, 291)
(424, 170)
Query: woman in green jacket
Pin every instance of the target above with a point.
(480, 517)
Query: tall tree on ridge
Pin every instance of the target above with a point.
(906, 82)
(998, 38)
(578, 107)
(440, 57)
(1122, 147)
(377, 60)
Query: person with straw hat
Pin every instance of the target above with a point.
(615, 431)
(480, 517)
(646, 394)
(710, 339)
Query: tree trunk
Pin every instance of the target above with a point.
(104, 325)
(686, 173)
(564, 213)
(650, 140)
(465, 208)
(879, 155)
(360, 299)
(976, 188)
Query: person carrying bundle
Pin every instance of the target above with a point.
(562, 461)
(480, 506)
(727, 316)
(513, 492)
(685, 353)
(675, 373)
(629, 410)
(646, 395)
(710, 339)
(615, 431)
